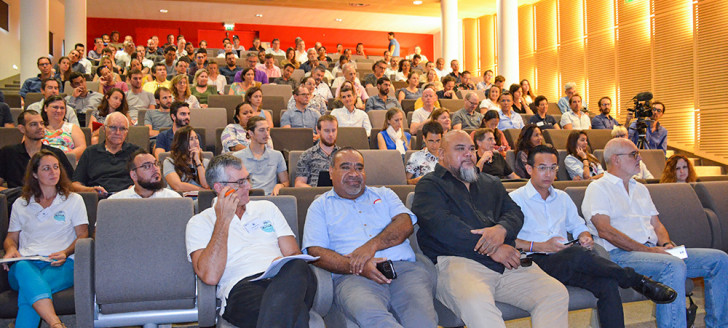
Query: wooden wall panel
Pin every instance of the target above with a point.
(545, 19)
(487, 43)
(547, 74)
(601, 71)
(525, 30)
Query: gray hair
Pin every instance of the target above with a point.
(618, 129)
(216, 169)
(613, 147)
(350, 66)
(113, 116)
(470, 95)
(569, 85)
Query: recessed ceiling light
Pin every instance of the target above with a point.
(258, 15)
(339, 19)
(417, 2)
(358, 4)
(163, 11)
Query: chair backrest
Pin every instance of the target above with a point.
(511, 159)
(384, 167)
(452, 104)
(10, 136)
(377, 117)
(275, 104)
(556, 138)
(137, 135)
(598, 138)
(352, 137)
(577, 196)
(289, 139)
(512, 136)
(218, 140)
(125, 281)
(4, 219)
(304, 198)
(712, 196)
(209, 119)
(407, 155)
(553, 109)
(87, 134)
(408, 105)
(140, 116)
(562, 185)
(32, 97)
(15, 112)
(682, 213)
(91, 200)
(163, 156)
(293, 157)
(282, 90)
(654, 159)
(298, 74)
(72, 159)
(229, 102)
(562, 175)
(13, 100)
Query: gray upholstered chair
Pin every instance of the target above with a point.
(137, 135)
(10, 136)
(289, 139)
(598, 138)
(556, 138)
(512, 136)
(225, 101)
(210, 119)
(352, 137)
(163, 156)
(712, 196)
(384, 167)
(136, 271)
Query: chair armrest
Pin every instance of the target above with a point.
(324, 291)
(4, 284)
(83, 280)
(715, 229)
(206, 304)
(430, 267)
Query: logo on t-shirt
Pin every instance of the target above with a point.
(378, 200)
(60, 216)
(267, 226)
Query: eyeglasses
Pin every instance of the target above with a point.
(117, 129)
(240, 183)
(657, 110)
(147, 166)
(304, 94)
(546, 169)
(635, 154)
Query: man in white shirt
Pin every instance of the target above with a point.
(623, 218)
(422, 114)
(549, 214)
(322, 88)
(147, 176)
(440, 68)
(418, 51)
(275, 48)
(349, 115)
(235, 241)
(575, 119)
(350, 75)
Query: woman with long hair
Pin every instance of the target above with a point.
(519, 104)
(392, 135)
(63, 73)
(580, 163)
(114, 101)
(405, 65)
(46, 220)
(411, 91)
(184, 169)
(106, 79)
(678, 169)
(239, 88)
(60, 134)
(254, 98)
(491, 119)
(442, 116)
(433, 80)
(202, 89)
(528, 95)
(529, 138)
(290, 58)
(491, 100)
(488, 159)
(181, 91)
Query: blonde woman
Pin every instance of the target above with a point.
(181, 91)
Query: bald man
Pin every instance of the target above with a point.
(422, 114)
(621, 216)
(468, 228)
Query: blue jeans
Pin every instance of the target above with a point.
(711, 264)
(410, 297)
(34, 281)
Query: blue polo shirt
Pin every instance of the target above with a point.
(264, 170)
(298, 119)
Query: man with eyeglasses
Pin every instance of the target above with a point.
(378, 71)
(179, 112)
(102, 167)
(15, 158)
(260, 76)
(33, 84)
(656, 133)
(298, 115)
(468, 117)
(382, 100)
(549, 214)
(144, 170)
(620, 213)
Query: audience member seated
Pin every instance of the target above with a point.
(201, 90)
(467, 117)
(200, 62)
(159, 118)
(472, 243)
(378, 69)
(145, 171)
(382, 101)
(228, 48)
(540, 118)
(179, 113)
(491, 100)
(184, 169)
(317, 159)
(16, 157)
(230, 69)
(311, 62)
(114, 101)
(95, 53)
(486, 83)
(76, 66)
(350, 75)
(291, 59)
(225, 251)
(580, 163)
(319, 73)
(58, 133)
(316, 101)
(491, 120)
(411, 91)
(275, 48)
(363, 293)
(529, 138)
(285, 77)
(267, 166)
(564, 102)
(442, 116)
(215, 78)
(393, 135)
(455, 71)
(349, 115)
(239, 88)
(259, 76)
(549, 214)
(604, 120)
(6, 117)
(487, 159)
(403, 71)
(576, 118)
(619, 131)
(106, 79)
(269, 67)
(528, 95)
(421, 114)
(465, 82)
(113, 70)
(51, 87)
(63, 71)
(181, 91)
(440, 68)
(656, 135)
(424, 161)
(102, 167)
(235, 137)
(499, 81)
(81, 98)
(678, 168)
(300, 116)
(160, 79)
(33, 84)
(508, 118)
(136, 97)
(46, 220)
(620, 212)
(84, 61)
(448, 91)
(519, 103)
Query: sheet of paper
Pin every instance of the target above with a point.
(678, 251)
(276, 265)
(26, 258)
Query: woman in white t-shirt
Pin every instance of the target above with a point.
(46, 220)
(491, 102)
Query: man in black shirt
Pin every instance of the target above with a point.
(102, 167)
(15, 157)
(468, 226)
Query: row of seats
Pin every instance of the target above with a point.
(114, 285)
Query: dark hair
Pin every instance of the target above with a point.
(104, 105)
(157, 92)
(31, 186)
(201, 51)
(326, 118)
(432, 127)
(513, 88)
(37, 62)
(446, 79)
(268, 56)
(237, 111)
(176, 105)
(179, 153)
(21, 116)
(289, 64)
(245, 71)
(541, 149)
(571, 146)
(343, 149)
(489, 115)
(99, 69)
(44, 82)
(182, 60)
(133, 72)
(49, 101)
(659, 102)
(479, 135)
(253, 121)
(383, 79)
(130, 163)
(169, 48)
(160, 64)
(76, 75)
(499, 78)
(401, 64)
(524, 138)
(390, 33)
(539, 99)
(249, 94)
(416, 56)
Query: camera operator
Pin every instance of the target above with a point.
(656, 135)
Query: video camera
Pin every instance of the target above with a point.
(642, 106)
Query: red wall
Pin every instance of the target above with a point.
(375, 42)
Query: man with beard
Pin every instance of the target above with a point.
(158, 119)
(179, 112)
(353, 228)
(16, 157)
(317, 159)
(468, 228)
(147, 176)
(382, 101)
(136, 97)
(604, 120)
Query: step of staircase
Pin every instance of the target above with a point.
(707, 170)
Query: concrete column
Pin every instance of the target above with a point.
(33, 36)
(508, 40)
(451, 46)
(75, 23)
